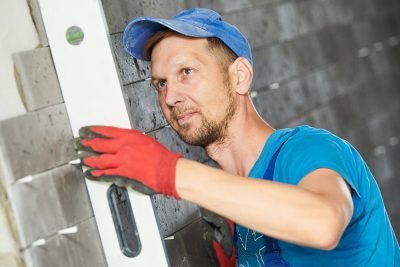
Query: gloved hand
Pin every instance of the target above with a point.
(128, 158)
(221, 236)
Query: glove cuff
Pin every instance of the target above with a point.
(169, 187)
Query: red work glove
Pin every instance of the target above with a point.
(221, 234)
(225, 259)
(128, 157)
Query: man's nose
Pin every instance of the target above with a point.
(175, 93)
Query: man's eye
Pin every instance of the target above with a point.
(187, 71)
(161, 84)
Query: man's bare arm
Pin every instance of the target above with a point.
(314, 213)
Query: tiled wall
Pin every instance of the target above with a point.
(328, 63)
(48, 197)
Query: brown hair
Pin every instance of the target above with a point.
(215, 46)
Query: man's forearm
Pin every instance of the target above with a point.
(282, 211)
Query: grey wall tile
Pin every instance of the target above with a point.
(270, 105)
(316, 12)
(392, 23)
(384, 26)
(351, 74)
(283, 61)
(302, 48)
(173, 215)
(386, 6)
(339, 11)
(188, 247)
(267, 29)
(299, 18)
(54, 200)
(381, 164)
(363, 9)
(324, 117)
(337, 43)
(359, 138)
(344, 112)
(380, 126)
(130, 69)
(376, 29)
(289, 17)
(391, 189)
(143, 108)
(299, 97)
(296, 97)
(36, 141)
(363, 33)
(38, 78)
(80, 249)
(321, 85)
(362, 104)
(383, 62)
(118, 14)
(72, 194)
(272, 64)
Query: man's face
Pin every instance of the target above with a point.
(195, 97)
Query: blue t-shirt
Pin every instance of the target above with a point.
(368, 240)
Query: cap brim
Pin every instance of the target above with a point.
(139, 30)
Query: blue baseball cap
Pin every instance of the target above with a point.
(196, 22)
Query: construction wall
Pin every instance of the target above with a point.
(327, 63)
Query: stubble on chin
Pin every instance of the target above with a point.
(206, 134)
(210, 131)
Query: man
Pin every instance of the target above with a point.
(315, 202)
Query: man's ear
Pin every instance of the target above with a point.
(241, 72)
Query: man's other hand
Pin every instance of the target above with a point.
(221, 235)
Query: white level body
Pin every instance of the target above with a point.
(93, 96)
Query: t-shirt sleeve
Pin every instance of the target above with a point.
(309, 152)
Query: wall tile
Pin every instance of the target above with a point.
(80, 249)
(130, 69)
(118, 14)
(173, 215)
(38, 78)
(54, 200)
(36, 141)
(188, 247)
(142, 102)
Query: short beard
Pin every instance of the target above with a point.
(213, 132)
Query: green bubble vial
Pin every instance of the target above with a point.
(74, 35)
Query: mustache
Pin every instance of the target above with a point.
(175, 112)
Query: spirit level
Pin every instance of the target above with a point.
(79, 42)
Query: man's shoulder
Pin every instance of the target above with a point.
(312, 148)
(307, 136)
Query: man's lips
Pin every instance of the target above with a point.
(185, 117)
